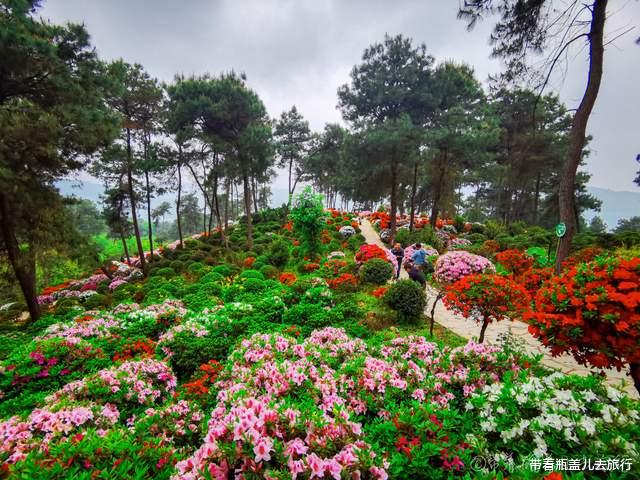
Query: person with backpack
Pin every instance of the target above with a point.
(398, 252)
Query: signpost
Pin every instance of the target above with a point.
(561, 230)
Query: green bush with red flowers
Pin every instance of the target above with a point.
(592, 311)
(487, 298)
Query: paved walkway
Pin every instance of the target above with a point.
(469, 329)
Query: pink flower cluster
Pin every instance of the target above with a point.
(143, 382)
(116, 283)
(271, 433)
(172, 422)
(101, 327)
(18, 437)
(452, 266)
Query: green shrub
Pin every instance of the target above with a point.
(279, 253)
(269, 271)
(476, 238)
(376, 271)
(177, 265)
(253, 285)
(166, 272)
(225, 270)
(212, 277)
(408, 299)
(250, 274)
(66, 305)
(96, 302)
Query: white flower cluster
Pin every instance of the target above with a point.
(538, 411)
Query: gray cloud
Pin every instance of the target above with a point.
(300, 51)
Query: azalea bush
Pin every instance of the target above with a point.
(515, 262)
(487, 298)
(452, 266)
(592, 311)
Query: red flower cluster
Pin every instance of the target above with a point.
(534, 278)
(288, 226)
(56, 288)
(384, 218)
(515, 261)
(288, 278)
(584, 255)
(487, 298)
(333, 267)
(248, 262)
(145, 348)
(344, 282)
(379, 292)
(311, 267)
(369, 251)
(593, 312)
(200, 386)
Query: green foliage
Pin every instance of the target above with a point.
(96, 302)
(308, 219)
(408, 299)
(376, 271)
(279, 253)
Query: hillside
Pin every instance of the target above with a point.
(615, 205)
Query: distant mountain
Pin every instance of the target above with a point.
(92, 191)
(615, 205)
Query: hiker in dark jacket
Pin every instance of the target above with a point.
(415, 274)
(398, 252)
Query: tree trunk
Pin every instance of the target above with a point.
(204, 212)
(394, 199)
(414, 186)
(253, 194)
(433, 311)
(437, 189)
(146, 177)
(124, 246)
(536, 200)
(247, 209)
(132, 199)
(635, 375)
(178, 219)
(226, 204)
(577, 135)
(23, 263)
(485, 324)
(216, 204)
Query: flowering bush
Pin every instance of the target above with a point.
(582, 256)
(370, 251)
(557, 416)
(515, 261)
(534, 278)
(332, 268)
(288, 278)
(143, 348)
(457, 243)
(310, 267)
(593, 312)
(248, 262)
(379, 292)
(452, 266)
(201, 385)
(486, 299)
(128, 386)
(44, 426)
(179, 423)
(345, 282)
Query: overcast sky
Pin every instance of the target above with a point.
(300, 51)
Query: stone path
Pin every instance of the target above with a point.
(469, 329)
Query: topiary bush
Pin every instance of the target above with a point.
(279, 253)
(376, 271)
(408, 299)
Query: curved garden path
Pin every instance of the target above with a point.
(468, 329)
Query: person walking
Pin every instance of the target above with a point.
(419, 256)
(398, 252)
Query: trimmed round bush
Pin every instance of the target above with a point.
(376, 271)
(279, 253)
(254, 285)
(226, 270)
(408, 299)
(96, 301)
(212, 277)
(269, 271)
(166, 272)
(177, 265)
(251, 274)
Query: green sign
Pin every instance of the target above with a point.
(561, 230)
